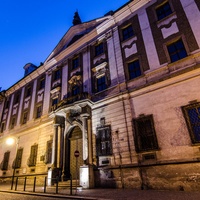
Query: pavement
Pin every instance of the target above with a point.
(106, 193)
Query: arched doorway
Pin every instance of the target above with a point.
(75, 143)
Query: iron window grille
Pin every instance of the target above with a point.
(177, 50)
(145, 134)
(33, 156)
(18, 160)
(104, 141)
(163, 11)
(192, 116)
(5, 160)
(134, 69)
(127, 32)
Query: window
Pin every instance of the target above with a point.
(38, 111)
(99, 49)
(192, 117)
(17, 97)
(75, 63)
(127, 32)
(7, 104)
(75, 90)
(41, 83)
(25, 117)
(33, 156)
(163, 11)
(49, 151)
(5, 160)
(134, 69)
(18, 160)
(145, 134)
(101, 83)
(28, 91)
(57, 74)
(54, 102)
(13, 119)
(177, 50)
(104, 141)
(2, 127)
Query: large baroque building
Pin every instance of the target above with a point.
(122, 92)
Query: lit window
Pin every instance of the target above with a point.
(145, 134)
(163, 11)
(104, 141)
(127, 32)
(177, 50)
(134, 69)
(192, 117)
(99, 49)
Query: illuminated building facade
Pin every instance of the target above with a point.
(123, 91)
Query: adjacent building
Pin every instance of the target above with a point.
(118, 99)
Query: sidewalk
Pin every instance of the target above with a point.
(111, 194)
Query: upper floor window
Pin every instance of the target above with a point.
(177, 50)
(4, 165)
(75, 63)
(104, 141)
(13, 120)
(127, 32)
(38, 111)
(18, 160)
(192, 117)
(145, 134)
(99, 49)
(28, 91)
(101, 83)
(56, 74)
(17, 98)
(7, 104)
(25, 117)
(41, 83)
(163, 11)
(33, 156)
(134, 69)
(75, 90)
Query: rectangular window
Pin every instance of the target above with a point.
(134, 69)
(38, 111)
(104, 141)
(13, 119)
(177, 50)
(101, 83)
(7, 104)
(18, 160)
(25, 117)
(41, 83)
(49, 151)
(75, 63)
(75, 90)
(163, 11)
(192, 117)
(5, 160)
(57, 74)
(145, 134)
(127, 32)
(33, 156)
(99, 49)
(2, 127)
(28, 91)
(17, 97)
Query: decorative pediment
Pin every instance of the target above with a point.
(75, 80)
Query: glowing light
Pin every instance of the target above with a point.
(10, 141)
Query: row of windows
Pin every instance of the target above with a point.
(145, 134)
(32, 159)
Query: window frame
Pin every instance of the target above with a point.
(99, 49)
(18, 160)
(137, 69)
(33, 156)
(38, 111)
(25, 117)
(104, 142)
(56, 74)
(5, 162)
(163, 13)
(129, 33)
(185, 110)
(150, 133)
(49, 149)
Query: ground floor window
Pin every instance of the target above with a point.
(145, 135)
(4, 164)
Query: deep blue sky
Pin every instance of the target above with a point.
(29, 30)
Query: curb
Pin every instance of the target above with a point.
(50, 195)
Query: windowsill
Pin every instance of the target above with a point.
(166, 20)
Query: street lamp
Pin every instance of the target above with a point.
(10, 141)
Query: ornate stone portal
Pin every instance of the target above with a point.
(72, 132)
